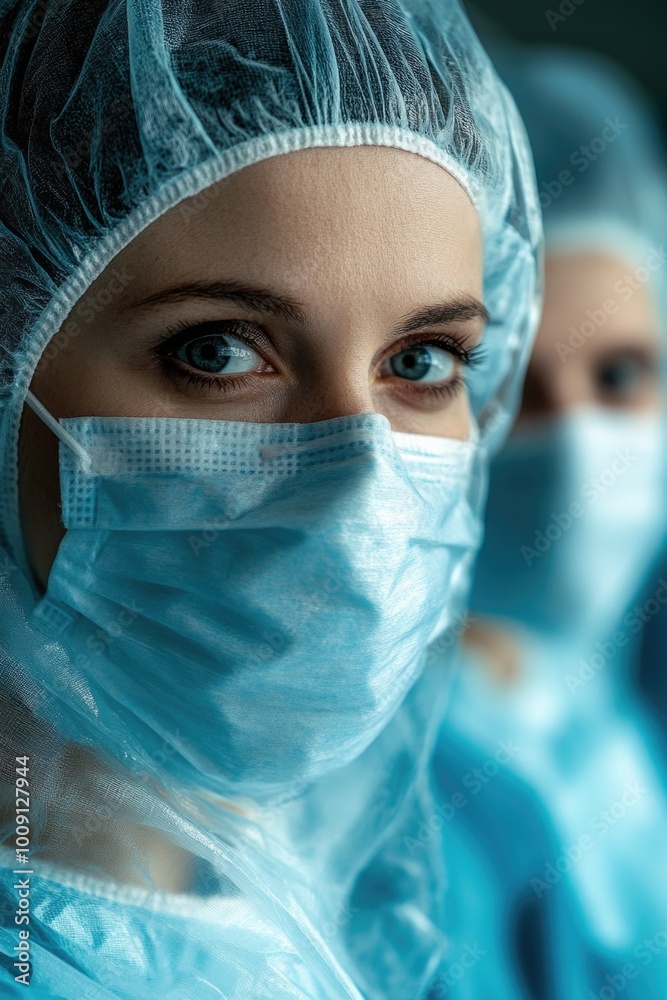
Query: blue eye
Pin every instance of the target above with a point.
(216, 354)
(423, 363)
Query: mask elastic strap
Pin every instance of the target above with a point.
(59, 430)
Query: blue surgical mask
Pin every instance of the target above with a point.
(575, 513)
(257, 597)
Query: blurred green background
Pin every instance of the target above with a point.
(633, 32)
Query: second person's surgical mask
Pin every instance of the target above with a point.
(575, 508)
(258, 597)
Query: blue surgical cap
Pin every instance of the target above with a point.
(599, 154)
(113, 111)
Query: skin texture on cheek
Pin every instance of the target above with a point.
(353, 236)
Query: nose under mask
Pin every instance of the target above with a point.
(257, 597)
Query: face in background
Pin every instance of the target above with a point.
(616, 367)
(311, 285)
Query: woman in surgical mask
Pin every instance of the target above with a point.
(572, 828)
(249, 253)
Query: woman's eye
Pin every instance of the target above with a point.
(216, 355)
(423, 363)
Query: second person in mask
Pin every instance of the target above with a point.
(575, 515)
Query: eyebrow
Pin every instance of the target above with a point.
(259, 299)
(458, 310)
(268, 302)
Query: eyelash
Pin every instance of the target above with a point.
(163, 355)
(163, 352)
(469, 357)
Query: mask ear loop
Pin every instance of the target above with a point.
(59, 431)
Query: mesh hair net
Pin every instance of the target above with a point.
(114, 111)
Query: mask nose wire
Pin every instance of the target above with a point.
(282, 448)
(59, 430)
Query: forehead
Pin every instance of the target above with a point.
(599, 302)
(369, 217)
